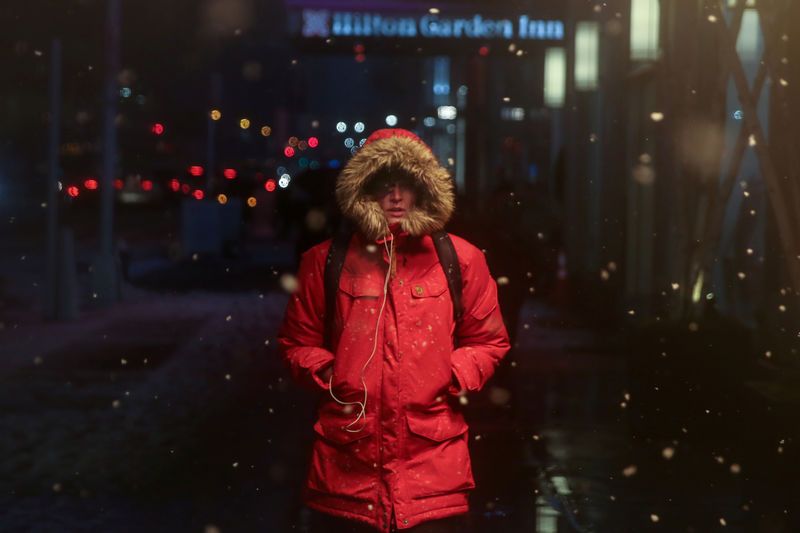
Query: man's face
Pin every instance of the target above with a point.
(396, 197)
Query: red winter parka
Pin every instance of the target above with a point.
(391, 442)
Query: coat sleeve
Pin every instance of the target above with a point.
(482, 336)
(300, 335)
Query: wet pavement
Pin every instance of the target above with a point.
(170, 412)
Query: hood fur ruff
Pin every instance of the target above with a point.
(435, 200)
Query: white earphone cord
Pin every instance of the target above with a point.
(390, 250)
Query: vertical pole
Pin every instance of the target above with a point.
(51, 245)
(211, 159)
(104, 270)
(109, 126)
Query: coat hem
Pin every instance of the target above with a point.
(334, 511)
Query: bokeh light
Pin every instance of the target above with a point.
(73, 191)
(349, 142)
(288, 151)
(313, 142)
(174, 184)
(147, 185)
(283, 182)
(215, 114)
(391, 121)
(198, 194)
(196, 170)
(222, 199)
(229, 173)
(266, 131)
(90, 184)
(359, 127)
(341, 127)
(270, 185)
(293, 141)
(252, 201)
(244, 123)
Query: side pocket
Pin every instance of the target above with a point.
(344, 463)
(437, 460)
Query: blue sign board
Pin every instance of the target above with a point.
(324, 23)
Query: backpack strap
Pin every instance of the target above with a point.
(333, 271)
(452, 269)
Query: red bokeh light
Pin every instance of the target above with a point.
(313, 142)
(185, 189)
(259, 176)
(73, 191)
(118, 184)
(360, 58)
(147, 185)
(229, 173)
(174, 184)
(196, 170)
(270, 185)
(157, 128)
(198, 194)
(288, 151)
(484, 50)
(90, 184)
(359, 49)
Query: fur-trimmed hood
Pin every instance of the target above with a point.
(399, 148)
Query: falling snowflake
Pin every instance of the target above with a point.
(654, 517)
(676, 286)
(288, 283)
(629, 471)
(656, 116)
(735, 468)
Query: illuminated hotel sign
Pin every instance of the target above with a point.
(324, 23)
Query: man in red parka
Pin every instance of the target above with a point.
(390, 448)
